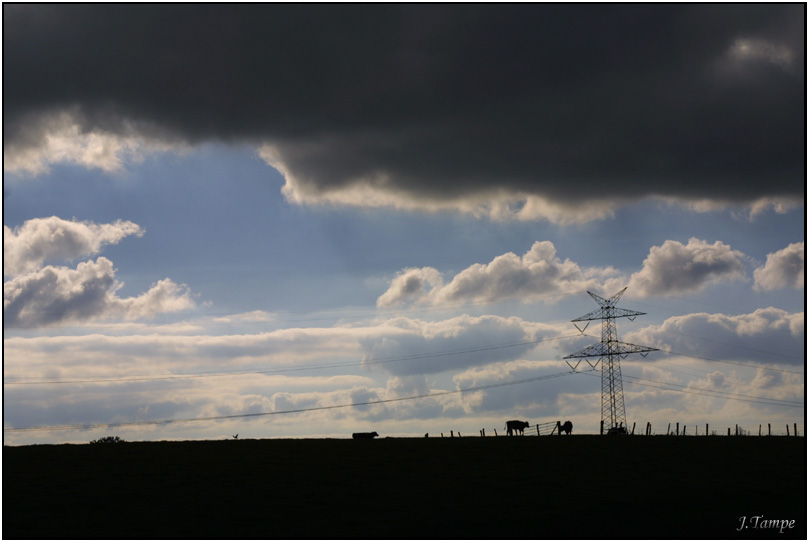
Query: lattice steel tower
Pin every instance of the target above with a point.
(610, 350)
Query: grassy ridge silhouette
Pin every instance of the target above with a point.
(595, 487)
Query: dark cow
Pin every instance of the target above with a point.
(567, 427)
(364, 435)
(516, 426)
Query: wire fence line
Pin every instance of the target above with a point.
(673, 429)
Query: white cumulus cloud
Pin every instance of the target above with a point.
(538, 274)
(675, 268)
(783, 269)
(43, 295)
(57, 294)
(769, 335)
(411, 285)
(27, 247)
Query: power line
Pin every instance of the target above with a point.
(732, 345)
(284, 412)
(708, 392)
(371, 312)
(742, 397)
(696, 372)
(638, 380)
(296, 368)
(699, 302)
(758, 366)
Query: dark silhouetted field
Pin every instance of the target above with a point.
(453, 488)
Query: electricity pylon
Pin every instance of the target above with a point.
(610, 350)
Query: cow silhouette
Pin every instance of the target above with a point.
(515, 426)
(567, 427)
(364, 435)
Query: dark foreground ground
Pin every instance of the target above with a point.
(588, 487)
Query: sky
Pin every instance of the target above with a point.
(310, 220)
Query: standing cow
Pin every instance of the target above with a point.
(567, 427)
(515, 426)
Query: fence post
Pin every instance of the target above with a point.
(442, 434)
(633, 431)
(760, 430)
(707, 428)
(729, 432)
(601, 427)
(496, 432)
(668, 425)
(795, 430)
(787, 427)
(538, 430)
(769, 428)
(677, 428)
(649, 428)
(451, 433)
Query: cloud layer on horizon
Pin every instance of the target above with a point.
(523, 112)
(246, 383)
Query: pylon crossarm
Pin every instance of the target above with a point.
(597, 349)
(592, 316)
(629, 348)
(615, 313)
(613, 347)
(629, 313)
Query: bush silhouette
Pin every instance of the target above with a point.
(109, 439)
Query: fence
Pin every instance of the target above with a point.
(552, 428)
(737, 430)
(541, 429)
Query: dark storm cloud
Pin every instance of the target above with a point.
(437, 101)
